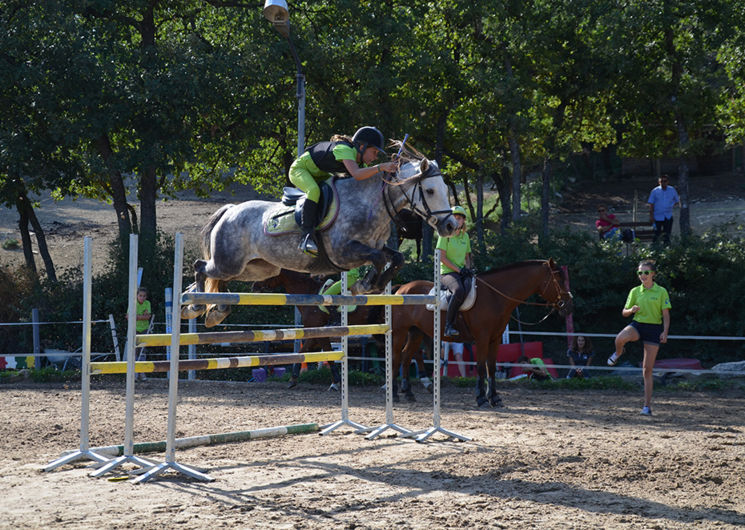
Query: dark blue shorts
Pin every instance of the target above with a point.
(648, 332)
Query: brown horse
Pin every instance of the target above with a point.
(499, 292)
(301, 283)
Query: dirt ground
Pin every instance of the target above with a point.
(714, 200)
(550, 459)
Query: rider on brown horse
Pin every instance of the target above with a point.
(455, 267)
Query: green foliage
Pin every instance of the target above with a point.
(11, 244)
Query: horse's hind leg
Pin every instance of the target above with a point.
(396, 261)
(481, 398)
(494, 399)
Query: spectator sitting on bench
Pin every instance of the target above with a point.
(537, 371)
(607, 225)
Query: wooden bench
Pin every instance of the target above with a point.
(644, 231)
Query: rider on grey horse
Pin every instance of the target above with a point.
(341, 154)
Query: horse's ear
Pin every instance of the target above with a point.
(434, 164)
(424, 166)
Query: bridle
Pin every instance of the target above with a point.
(558, 305)
(425, 212)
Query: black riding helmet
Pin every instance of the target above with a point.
(368, 137)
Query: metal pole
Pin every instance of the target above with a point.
(344, 373)
(192, 374)
(170, 460)
(85, 371)
(389, 375)
(436, 345)
(112, 325)
(35, 333)
(130, 349)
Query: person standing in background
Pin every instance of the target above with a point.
(661, 201)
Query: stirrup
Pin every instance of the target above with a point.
(308, 246)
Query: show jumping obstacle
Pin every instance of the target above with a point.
(176, 339)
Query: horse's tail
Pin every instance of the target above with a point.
(206, 232)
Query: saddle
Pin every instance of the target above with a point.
(285, 218)
(446, 295)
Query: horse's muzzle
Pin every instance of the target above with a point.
(446, 226)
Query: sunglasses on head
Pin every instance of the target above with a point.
(644, 273)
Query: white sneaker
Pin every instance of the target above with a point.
(334, 386)
(646, 411)
(612, 360)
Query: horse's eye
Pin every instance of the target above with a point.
(430, 191)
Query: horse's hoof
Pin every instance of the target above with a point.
(496, 403)
(411, 398)
(213, 319)
(481, 401)
(192, 311)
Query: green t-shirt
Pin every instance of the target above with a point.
(651, 302)
(341, 152)
(142, 308)
(456, 248)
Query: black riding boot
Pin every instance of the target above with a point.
(308, 226)
(451, 315)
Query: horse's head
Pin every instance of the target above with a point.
(552, 289)
(423, 191)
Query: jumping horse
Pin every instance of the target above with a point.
(236, 244)
(499, 292)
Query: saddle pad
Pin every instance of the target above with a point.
(445, 298)
(280, 220)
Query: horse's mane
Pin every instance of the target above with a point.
(519, 265)
(408, 154)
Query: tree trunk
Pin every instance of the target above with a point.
(28, 252)
(683, 138)
(117, 189)
(148, 221)
(516, 175)
(41, 240)
(480, 236)
(503, 186)
(545, 192)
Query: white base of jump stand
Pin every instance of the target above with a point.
(435, 430)
(144, 463)
(380, 430)
(179, 468)
(74, 457)
(359, 429)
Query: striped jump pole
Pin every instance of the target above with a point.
(359, 428)
(304, 299)
(219, 337)
(212, 439)
(217, 363)
(389, 375)
(128, 367)
(84, 452)
(170, 460)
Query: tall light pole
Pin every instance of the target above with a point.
(276, 12)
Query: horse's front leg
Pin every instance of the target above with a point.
(494, 399)
(196, 310)
(358, 251)
(395, 261)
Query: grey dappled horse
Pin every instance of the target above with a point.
(235, 246)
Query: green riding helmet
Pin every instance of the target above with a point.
(368, 136)
(458, 210)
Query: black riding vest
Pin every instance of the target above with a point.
(322, 155)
